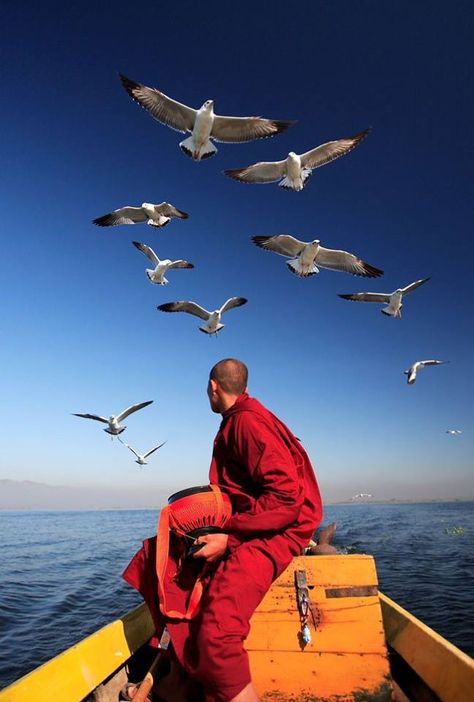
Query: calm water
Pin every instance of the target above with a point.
(60, 571)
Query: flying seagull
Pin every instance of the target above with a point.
(295, 170)
(154, 215)
(157, 274)
(113, 421)
(213, 319)
(392, 300)
(306, 256)
(203, 124)
(454, 432)
(141, 456)
(412, 371)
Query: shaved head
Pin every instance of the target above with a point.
(231, 374)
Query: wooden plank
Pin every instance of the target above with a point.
(72, 675)
(443, 667)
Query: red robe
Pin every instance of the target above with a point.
(276, 509)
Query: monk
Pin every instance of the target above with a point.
(276, 505)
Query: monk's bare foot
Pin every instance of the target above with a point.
(324, 547)
(326, 535)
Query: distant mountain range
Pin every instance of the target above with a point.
(29, 495)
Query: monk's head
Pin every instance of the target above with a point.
(227, 380)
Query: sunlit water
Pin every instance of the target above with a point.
(60, 572)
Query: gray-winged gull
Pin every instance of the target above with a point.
(213, 319)
(306, 256)
(113, 421)
(154, 215)
(392, 300)
(203, 124)
(161, 266)
(294, 171)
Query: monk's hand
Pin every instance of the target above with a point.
(215, 545)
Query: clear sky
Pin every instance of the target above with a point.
(79, 328)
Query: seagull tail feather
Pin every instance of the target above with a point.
(189, 148)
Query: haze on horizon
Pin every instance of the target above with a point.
(79, 328)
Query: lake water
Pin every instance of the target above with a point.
(60, 572)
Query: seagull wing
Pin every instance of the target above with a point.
(167, 111)
(170, 211)
(92, 416)
(148, 251)
(366, 297)
(124, 215)
(148, 453)
(231, 303)
(413, 286)
(331, 150)
(130, 448)
(239, 129)
(431, 362)
(133, 408)
(180, 264)
(282, 244)
(185, 306)
(262, 172)
(343, 261)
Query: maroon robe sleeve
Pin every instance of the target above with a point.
(272, 469)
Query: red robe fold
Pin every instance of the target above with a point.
(276, 509)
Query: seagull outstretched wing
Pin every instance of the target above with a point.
(343, 261)
(92, 416)
(413, 286)
(133, 408)
(185, 306)
(124, 215)
(164, 109)
(231, 303)
(331, 150)
(262, 172)
(148, 251)
(283, 244)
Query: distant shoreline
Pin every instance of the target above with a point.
(329, 503)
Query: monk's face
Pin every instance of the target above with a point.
(213, 394)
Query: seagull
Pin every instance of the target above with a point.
(295, 170)
(306, 256)
(454, 432)
(154, 215)
(393, 300)
(203, 124)
(141, 457)
(213, 319)
(412, 371)
(113, 421)
(157, 274)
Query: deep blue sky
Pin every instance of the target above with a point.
(79, 329)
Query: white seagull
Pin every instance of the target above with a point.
(392, 300)
(294, 171)
(213, 319)
(154, 215)
(454, 432)
(141, 456)
(412, 371)
(306, 256)
(157, 274)
(203, 124)
(113, 421)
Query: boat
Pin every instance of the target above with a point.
(323, 633)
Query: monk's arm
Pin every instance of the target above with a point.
(271, 467)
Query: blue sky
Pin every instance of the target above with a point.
(79, 329)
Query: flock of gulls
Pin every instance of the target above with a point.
(304, 258)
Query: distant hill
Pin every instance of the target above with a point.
(29, 495)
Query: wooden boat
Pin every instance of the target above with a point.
(363, 647)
